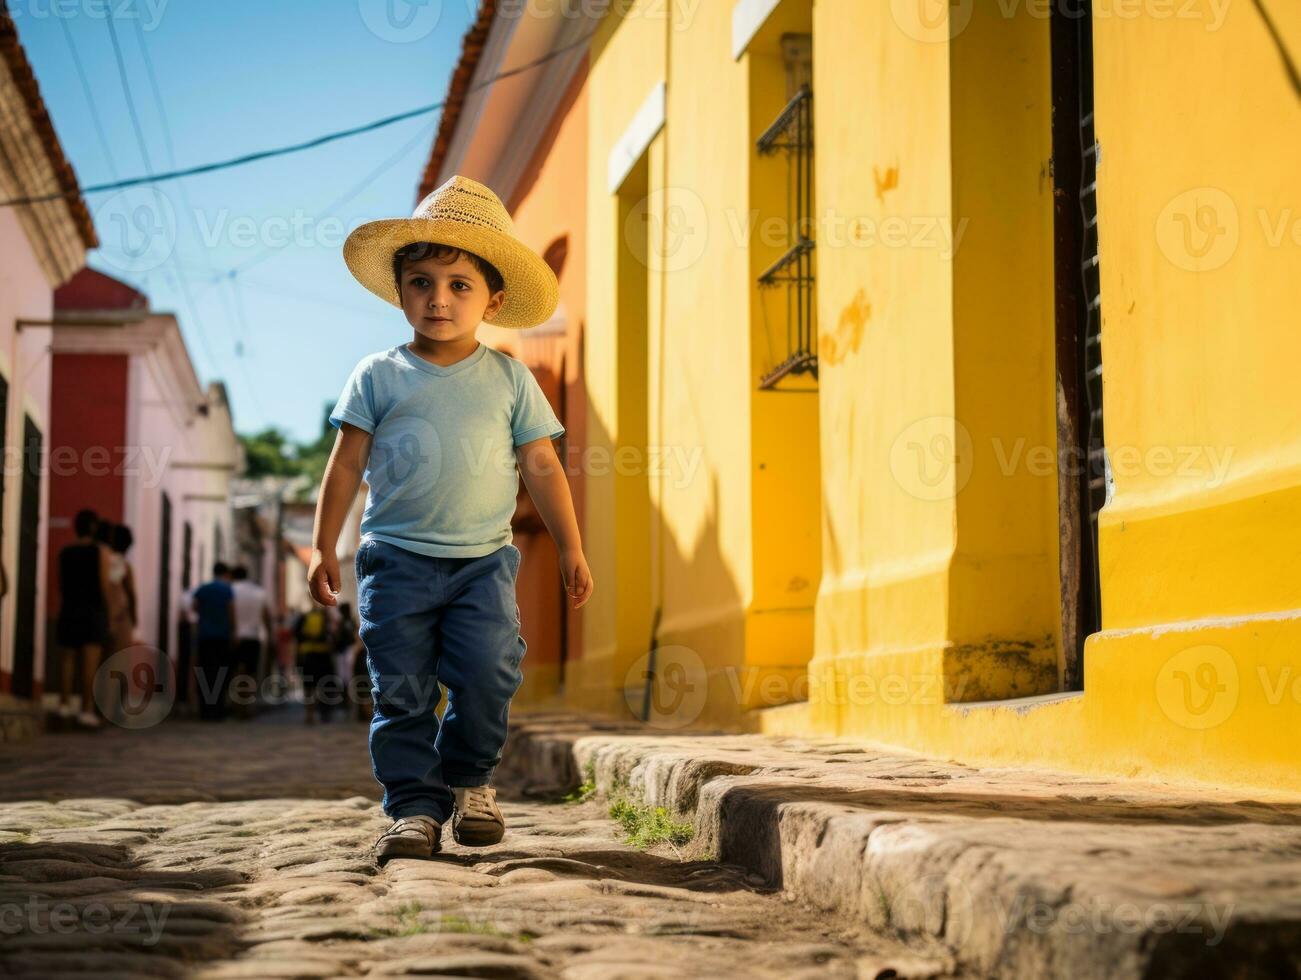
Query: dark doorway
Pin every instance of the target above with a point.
(165, 578)
(184, 631)
(29, 528)
(1081, 471)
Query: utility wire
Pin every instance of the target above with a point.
(248, 158)
(90, 98)
(183, 284)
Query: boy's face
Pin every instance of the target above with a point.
(447, 301)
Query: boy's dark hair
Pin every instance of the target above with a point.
(220, 569)
(85, 523)
(122, 538)
(240, 573)
(445, 254)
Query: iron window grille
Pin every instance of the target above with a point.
(791, 133)
(1098, 472)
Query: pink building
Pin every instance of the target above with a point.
(41, 245)
(140, 441)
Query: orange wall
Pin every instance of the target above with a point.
(546, 207)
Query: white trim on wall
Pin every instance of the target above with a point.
(645, 126)
(747, 17)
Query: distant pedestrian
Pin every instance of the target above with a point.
(120, 596)
(313, 638)
(82, 626)
(214, 606)
(254, 628)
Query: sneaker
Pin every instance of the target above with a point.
(67, 712)
(409, 837)
(478, 822)
(89, 719)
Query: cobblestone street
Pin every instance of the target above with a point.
(242, 850)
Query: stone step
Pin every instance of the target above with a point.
(1017, 872)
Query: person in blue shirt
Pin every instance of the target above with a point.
(441, 429)
(214, 606)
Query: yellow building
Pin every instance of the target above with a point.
(1040, 501)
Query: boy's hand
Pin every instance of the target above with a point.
(578, 579)
(323, 577)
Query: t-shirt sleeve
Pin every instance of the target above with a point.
(532, 417)
(357, 403)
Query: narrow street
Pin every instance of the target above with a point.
(242, 850)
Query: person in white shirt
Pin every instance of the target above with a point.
(253, 628)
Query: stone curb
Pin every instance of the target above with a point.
(1016, 872)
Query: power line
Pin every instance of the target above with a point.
(239, 321)
(292, 147)
(182, 284)
(90, 98)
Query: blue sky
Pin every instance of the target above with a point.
(236, 77)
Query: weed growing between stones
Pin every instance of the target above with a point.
(587, 788)
(411, 921)
(646, 825)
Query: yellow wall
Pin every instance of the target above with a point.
(1195, 674)
(718, 535)
(930, 467)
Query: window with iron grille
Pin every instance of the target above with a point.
(791, 134)
(1082, 488)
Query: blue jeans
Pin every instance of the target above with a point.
(427, 620)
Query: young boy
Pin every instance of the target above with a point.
(437, 428)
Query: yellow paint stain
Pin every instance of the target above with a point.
(885, 182)
(834, 347)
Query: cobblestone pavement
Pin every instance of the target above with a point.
(242, 850)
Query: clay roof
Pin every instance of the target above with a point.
(21, 70)
(91, 289)
(471, 50)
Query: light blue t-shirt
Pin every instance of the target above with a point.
(442, 469)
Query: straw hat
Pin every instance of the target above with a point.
(466, 214)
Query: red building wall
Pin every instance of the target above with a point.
(88, 405)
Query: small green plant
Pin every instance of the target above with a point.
(587, 788)
(409, 922)
(645, 825)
